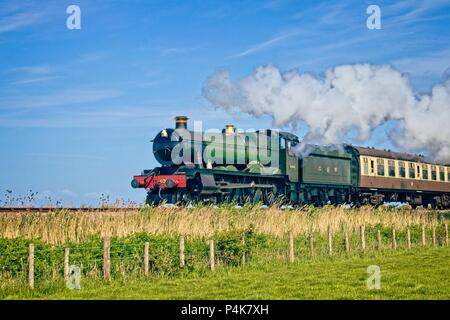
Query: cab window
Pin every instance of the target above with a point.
(290, 146)
(282, 143)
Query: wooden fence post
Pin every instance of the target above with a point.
(423, 236)
(446, 234)
(66, 264)
(363, 238)
(330, 242)
(311, 244)
(347, 242)
(408, 237)
(146, 258)
(434, 235)
(211, 254)
(291, 248)
(31, 266)
(243, 249)
(182, 255)
(106, 259)
(394, 239)
(379, 239)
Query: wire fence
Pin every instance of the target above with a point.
(171, 256)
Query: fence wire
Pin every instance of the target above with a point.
(166, 259)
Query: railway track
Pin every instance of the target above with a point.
(44, 210)
(8, 210)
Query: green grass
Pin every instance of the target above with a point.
(416, 274)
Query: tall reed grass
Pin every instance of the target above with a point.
(60, 227)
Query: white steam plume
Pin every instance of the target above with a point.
(357, 97)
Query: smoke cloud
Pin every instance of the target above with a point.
(347, 100)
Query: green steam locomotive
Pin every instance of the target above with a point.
(266, 166)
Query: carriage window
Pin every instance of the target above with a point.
(441, 174)
(401, 169)
(433, 173)
(380, 167)
(412, 172)
(448, 174)
(365, 165)
(425, 172)
(391, 165)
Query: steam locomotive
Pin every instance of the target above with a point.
(265, 167)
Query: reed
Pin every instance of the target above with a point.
(60, 226)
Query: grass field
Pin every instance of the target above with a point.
(415, 274)
(331, 257)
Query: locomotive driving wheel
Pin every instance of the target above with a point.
(269, 195)
(238, 196)
(152, 199)
(195, 189)
(258, 196)
(228, 196)
(249, 195)
(183, 197)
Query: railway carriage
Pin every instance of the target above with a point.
(266, 167)
(393, 176)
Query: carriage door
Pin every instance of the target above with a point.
(291, 162)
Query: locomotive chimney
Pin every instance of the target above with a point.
(181, 122)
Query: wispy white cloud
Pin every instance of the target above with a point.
(98, 195)
(178, 50)
(106, 117)
(18, 21)
(147, 84)
(33, 70)
(49, 197)
(65, 156)
(322, 9)
(36, 80)
(412, 11)
(32, 74)
(68, 193)
(435, 63)
(273, 4)
(62, 98)
(91, 57)
(114, 116)
(268, 43)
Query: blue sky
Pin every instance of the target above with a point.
(78, 107)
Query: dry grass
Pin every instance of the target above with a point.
(62, 227)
